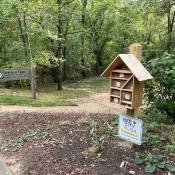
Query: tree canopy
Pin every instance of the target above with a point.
(71, 39)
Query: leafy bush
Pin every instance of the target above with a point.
(153, 162)
(160, 92)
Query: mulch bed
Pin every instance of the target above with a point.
(68, 154)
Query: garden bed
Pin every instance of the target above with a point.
(50, 144)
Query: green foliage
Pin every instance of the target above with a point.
(160, 92)
(153, 162)
(82, 41)
(170, 147)
(150, 168)
(17, 100)
(170, 168)
(96, 84)
(100, 132)
(156, 139)
(28, 137)
(97, 140)
(139, 159)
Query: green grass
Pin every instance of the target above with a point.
(47, 95)
(14, 100)
(96, 84)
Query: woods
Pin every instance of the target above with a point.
(74, 39)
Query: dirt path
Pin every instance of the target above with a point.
(98, 103)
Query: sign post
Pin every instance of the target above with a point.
(20, 74)
(33, 78)
(33, 82)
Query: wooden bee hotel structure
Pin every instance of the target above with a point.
(127, 75)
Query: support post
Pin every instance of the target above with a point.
(32, 68)
(33, 82)
(136, 49)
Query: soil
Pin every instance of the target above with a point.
(68, 155)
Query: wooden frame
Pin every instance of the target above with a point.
(129, 88)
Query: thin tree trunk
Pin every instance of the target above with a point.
(59, 53)
(23, 36)
(83, 16)
(170, 26)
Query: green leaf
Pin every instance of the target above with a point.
(161, 165)
(150, 158)
(139, 160)
(170, 167)
(150, 168)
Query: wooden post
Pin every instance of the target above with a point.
(33, 77)
(33, 82)
(136, 49)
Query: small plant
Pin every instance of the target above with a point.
(152, 140)
(97, 139)
(48, 138)
(83, 121)
(65, 123)
(170, 147)
(97, 146)
(100, 132)
(153, 162)
(6, 145)
(24, 137)
(153, 136)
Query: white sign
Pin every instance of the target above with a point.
(130, 129)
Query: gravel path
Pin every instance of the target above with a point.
(98, 103)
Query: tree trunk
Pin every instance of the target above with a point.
(64, 65)
(23, 36)
(98, 61)
(59, 85)
(83, 16)
(59, 53)
(170, 26)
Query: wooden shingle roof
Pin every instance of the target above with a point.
(133, 64)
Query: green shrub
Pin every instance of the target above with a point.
(160, 92)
